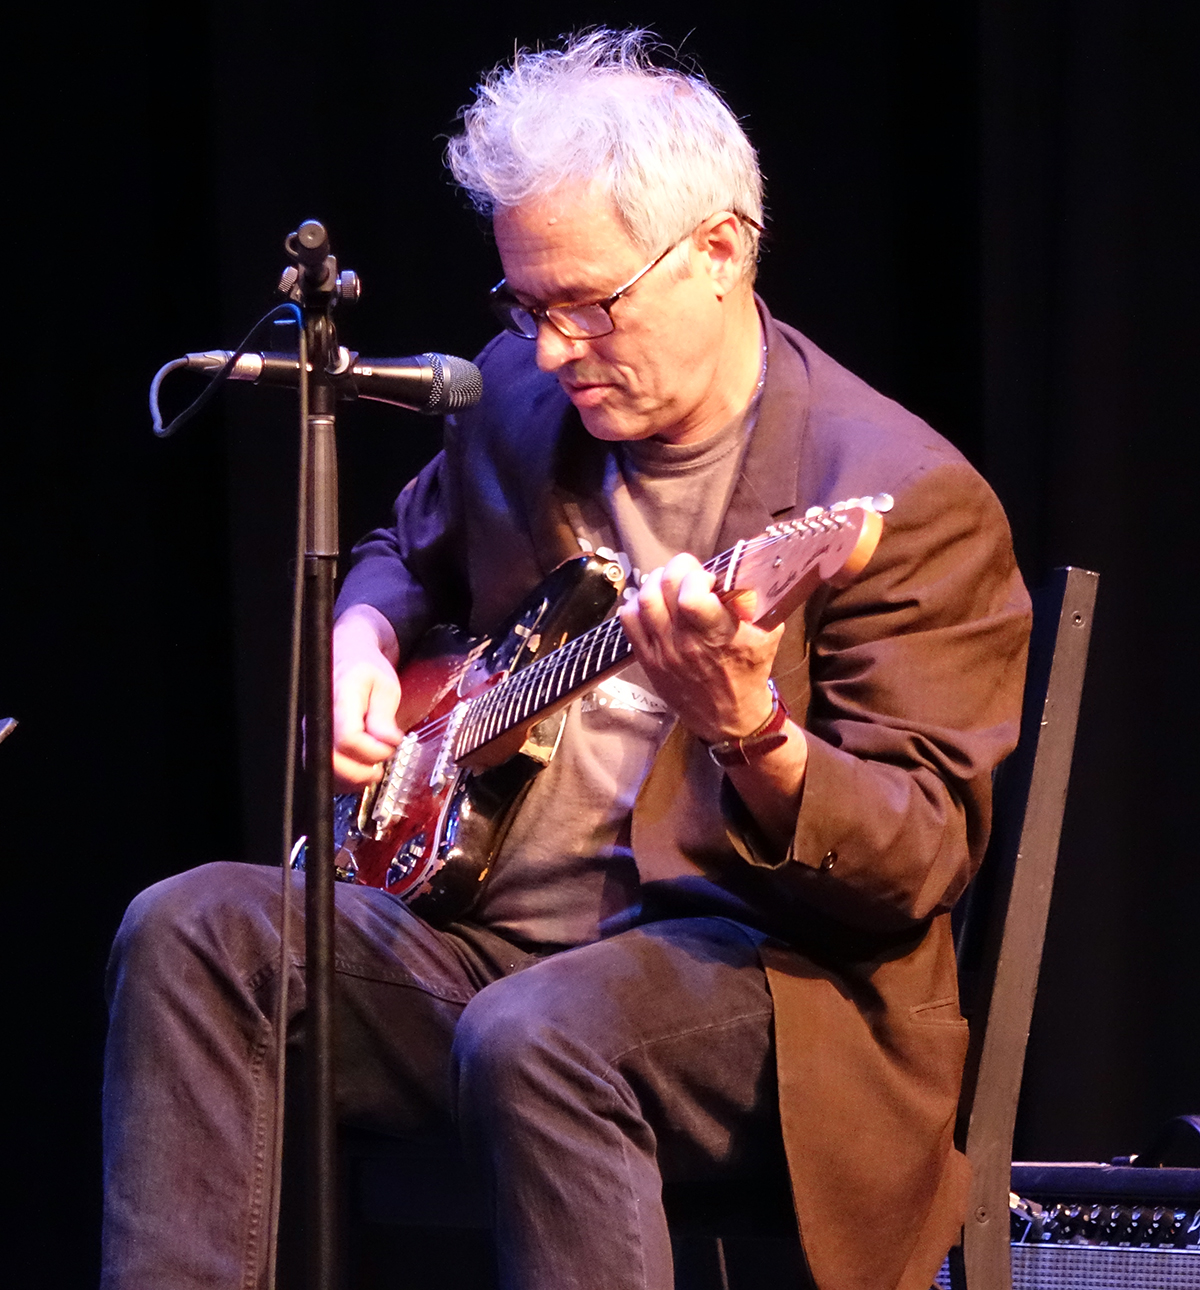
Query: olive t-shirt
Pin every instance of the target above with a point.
(565, 874)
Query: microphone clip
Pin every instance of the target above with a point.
(312, 279)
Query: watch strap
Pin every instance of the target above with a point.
(769, 736)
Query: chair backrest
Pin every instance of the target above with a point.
(1001, 923)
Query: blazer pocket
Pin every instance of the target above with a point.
(937, 1012)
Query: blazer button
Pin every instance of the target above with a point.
(828, 860)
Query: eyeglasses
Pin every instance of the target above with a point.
(575, 322)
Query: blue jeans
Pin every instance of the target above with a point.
(577, 1081)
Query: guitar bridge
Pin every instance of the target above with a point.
(391, 797)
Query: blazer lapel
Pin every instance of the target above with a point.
(767, 486)
(564, 462)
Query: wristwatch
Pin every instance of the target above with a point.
(768, 736)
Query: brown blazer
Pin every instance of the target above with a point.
(909, 683)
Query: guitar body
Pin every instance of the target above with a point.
(429, 831)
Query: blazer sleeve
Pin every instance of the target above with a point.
(413, 571)
(916, 673)
(427, 565)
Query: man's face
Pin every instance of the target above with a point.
(664, 369)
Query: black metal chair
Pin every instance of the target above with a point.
(726, 1238)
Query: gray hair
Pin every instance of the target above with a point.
(663, 143)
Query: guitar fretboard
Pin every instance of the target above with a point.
(543, 685)
(556, 677)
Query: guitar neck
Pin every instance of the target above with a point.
(551, 681)
(781, 566)
(544, 685)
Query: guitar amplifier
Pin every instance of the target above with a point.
(1103, 1227)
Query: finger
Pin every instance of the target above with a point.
(743, 604)
(654, 618)
(384, 702)
(632, 627)
(678, 570)
(355, 692)
(635, 629)
(647, 625)
(699, 610)
(364, 748)
(349, 775)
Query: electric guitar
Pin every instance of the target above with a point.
(483, 716)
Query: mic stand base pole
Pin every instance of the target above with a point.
(313, 283)
(320, 568)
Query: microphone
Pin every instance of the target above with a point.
(428, 383)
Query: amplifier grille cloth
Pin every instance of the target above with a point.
(1098, 1267)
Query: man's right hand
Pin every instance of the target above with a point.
(366, 694)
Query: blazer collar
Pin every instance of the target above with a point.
(767, 484)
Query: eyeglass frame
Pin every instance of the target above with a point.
(503, 302)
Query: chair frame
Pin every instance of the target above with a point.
(1002, 926)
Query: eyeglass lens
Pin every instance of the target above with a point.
(582, 323)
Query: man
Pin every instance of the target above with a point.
(695, 938)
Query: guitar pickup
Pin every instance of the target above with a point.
(445, 768)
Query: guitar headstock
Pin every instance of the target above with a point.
(789, 560)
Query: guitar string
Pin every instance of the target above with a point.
(524, 685)
(558, 671)
(486, 717)
(542, 683)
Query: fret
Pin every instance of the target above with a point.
(489, 720)
(467, 730)
(596, 656)
(562, 679)
(500, 714)
(539, 697)
(558, 677)
(618, 647)
(601, 654)
(527, 688)
(480, 725)
(486, 706)
(577, 657)
(594, 645)
(514, 710)
(576, 672)
(555, 688)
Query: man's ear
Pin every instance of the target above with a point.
(720, 238)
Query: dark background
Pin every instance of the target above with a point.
(987, 210)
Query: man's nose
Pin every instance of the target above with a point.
(554, 350)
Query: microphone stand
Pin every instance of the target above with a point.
(314, 284)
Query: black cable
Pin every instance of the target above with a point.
(289, 846)
(293, 721)
(211, 388)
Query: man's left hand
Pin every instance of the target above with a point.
(704, 658)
